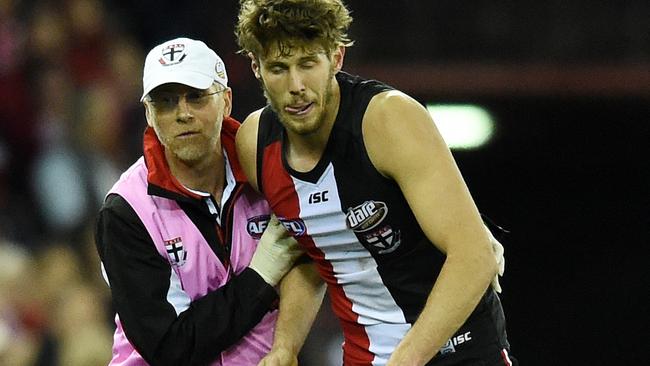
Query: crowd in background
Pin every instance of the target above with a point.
(70, 81)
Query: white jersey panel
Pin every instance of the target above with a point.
(179, 299)
(354, 267)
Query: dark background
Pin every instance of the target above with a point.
(568, 83)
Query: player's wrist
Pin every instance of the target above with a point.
(285, 356)
(285, 348)
(267, 276)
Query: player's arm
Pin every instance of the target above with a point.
(301, 292)
(404, 144)
(246, 141)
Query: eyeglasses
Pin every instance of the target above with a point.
(167, 101)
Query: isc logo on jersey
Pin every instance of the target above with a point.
(256, 226)
(453, 342)
(366, 216)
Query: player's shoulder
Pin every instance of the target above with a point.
(246, 142)
(254, 116)
(248, 128)
(392, 102)
(252, 120)
(388, 107)
(391, 124)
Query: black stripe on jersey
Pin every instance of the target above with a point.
(267, 133)
(409, 271)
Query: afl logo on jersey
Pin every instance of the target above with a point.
(256, 226)
(296, 226)
(366, 216)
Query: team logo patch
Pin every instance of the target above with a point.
(366, 219)
(385, 240)
(172, 54)
(176, 251)
(366, 216)
(220, 69)
(256, 226)
(295, 226)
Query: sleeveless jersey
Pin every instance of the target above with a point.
(356, 225)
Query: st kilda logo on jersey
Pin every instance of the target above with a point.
(172, 54)
(176, 251)
(366, 219)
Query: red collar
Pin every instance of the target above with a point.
(158, 169)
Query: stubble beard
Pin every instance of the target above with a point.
(191, 152)
(310, 126)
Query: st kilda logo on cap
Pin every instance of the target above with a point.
(172, 54)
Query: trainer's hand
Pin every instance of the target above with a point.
(501, 260)
(275, 253)
(279, 357)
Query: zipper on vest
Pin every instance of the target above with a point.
(214, 211)
(226, 257)
(227, 227)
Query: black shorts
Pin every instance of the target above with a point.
(490, 356)
(481, 341)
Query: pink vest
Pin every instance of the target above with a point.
(199, 270)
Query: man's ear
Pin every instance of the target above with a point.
(337, 58)
(227, 98)
(148, 113)
(255, 66)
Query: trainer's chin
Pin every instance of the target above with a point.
(189, 152)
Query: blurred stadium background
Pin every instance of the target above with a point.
(565, 83)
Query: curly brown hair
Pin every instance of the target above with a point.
(291, 23)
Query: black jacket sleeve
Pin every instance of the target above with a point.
(139, 279)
